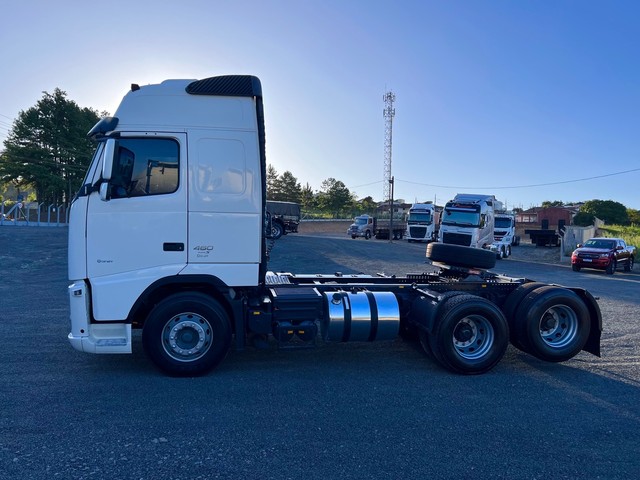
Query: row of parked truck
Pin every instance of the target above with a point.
(471, 220)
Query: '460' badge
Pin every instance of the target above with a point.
(202, 250)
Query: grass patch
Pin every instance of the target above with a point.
(630, 234)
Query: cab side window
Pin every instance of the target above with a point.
(145, 166)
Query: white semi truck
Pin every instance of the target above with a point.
(504, 234)
(469, 220)
(168, 234)
(423, 222)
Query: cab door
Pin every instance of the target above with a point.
(137, 232)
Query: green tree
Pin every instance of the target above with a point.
(366, 205)
(554, 203)
(583, 219)
(273, 186)
(607, 210)
(634, 216)
(334, 197)
(308, 198)
(48, 149)
(289, 188)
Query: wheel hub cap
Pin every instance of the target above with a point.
(187, 337)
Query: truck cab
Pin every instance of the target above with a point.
(423, 223)
(468, 220)
(362, 226)
(176, 159)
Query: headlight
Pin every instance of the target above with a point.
(604, 255)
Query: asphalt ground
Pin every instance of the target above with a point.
(344, 411)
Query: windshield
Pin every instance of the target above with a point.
(608, 244)
(457, 217)
(503, 222)
(420, 217)
(361, 221)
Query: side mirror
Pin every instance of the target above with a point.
(104, 192)
(579, 245)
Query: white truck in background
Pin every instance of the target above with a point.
(168, 235)
(423, 222)
(478, 221)
(505, 233)
(469, 220)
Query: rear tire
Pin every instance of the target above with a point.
(471, 335)
(554, 323)
(187, 334)
(511, 305)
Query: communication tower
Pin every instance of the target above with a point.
(389, 112)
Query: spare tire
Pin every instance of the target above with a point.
(460, 256)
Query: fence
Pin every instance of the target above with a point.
(34, 214)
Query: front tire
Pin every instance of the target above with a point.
(611, 268)
(629, 265)
(575, 268)
(367, 235)
(471, 335)
(187, 334)
(276, 230)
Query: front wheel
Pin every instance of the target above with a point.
(276, 230)
(187, 334)
(367, 235)
(575, 268)
(629, 265)
(611, 268)
(471, 335)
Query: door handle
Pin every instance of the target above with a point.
(173, 247)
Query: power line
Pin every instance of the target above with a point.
(521, 186)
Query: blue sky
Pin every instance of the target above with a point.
(502, 97)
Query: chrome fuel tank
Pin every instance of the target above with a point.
(360, 316)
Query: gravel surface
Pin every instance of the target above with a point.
(344, 411)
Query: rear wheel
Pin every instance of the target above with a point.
(187, 334)
(471, 335)
(511, 305)
(553, 323)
